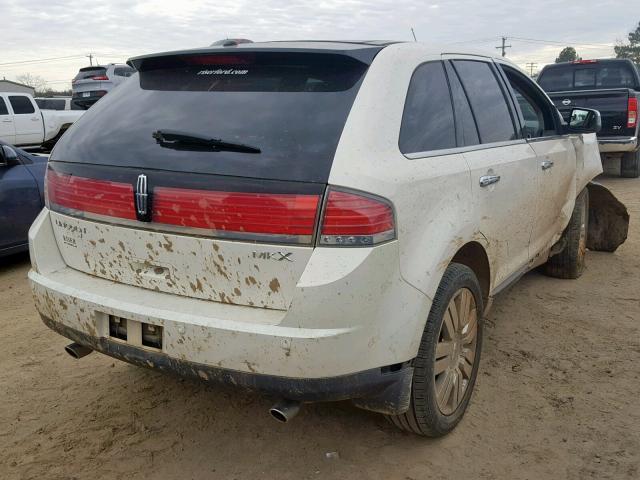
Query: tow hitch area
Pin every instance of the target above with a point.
(608, 220)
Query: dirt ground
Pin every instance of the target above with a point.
(557, 398)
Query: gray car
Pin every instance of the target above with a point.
(93, 83)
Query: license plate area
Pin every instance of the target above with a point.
(136, 333)
(86, 94)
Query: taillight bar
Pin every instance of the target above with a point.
(351, 219)
(77, 195)
(99, 77)
(240, 215)
(356, 220)
(632, 112)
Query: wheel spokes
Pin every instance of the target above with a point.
(455, 352)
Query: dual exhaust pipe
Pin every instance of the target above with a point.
(284, 411)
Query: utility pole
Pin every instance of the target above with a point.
(503, 47)
(531, 66)
(90, 59)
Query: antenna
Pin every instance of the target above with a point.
(414, 35)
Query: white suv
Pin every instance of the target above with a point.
(323, 221)
(93, 83)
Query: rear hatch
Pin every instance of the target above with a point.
(90, 79)
(605, 86)
(204, 175)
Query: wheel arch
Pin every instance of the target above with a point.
(474, 256)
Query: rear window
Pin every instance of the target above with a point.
(50, 103)
(586, 76)
(85, 73)
(291, 106)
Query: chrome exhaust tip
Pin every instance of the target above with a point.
(77, 351)
(285, 410)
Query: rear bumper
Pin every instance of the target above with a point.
(617, 144)
(336, 328)
(90, 100)
(383, 390)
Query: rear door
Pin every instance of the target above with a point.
(20, 203)
(555, 160)
(7, 127)
(503, 167)
(27, 120)
(234, 225)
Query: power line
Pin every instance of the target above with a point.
(555, 42)
(503, 47)
(41, 60)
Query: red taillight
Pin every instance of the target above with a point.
(632, 112)
(79, 194)
(584, 61)
(99, 77)
(291, 217)
(356, 220)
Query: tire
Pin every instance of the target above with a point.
(428, 415)
(630, 165)
(569, 262)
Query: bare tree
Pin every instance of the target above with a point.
(34, 81)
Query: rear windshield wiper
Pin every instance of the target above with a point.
(186, 141)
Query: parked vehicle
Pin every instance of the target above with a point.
(57, 103)
(22, 122)
(93, 83)
(21, 196)
(320, 220)
(611, 86)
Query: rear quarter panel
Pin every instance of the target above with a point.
(431, 195)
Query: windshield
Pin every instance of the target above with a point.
(587, 76)
(290, 106)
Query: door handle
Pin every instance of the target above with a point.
(7, 121)
(35, 119)
(487, 180)
(546, 164)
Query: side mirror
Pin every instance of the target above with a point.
(8, 156)
(584, 120)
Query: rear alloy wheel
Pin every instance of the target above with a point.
(455, 351)
(446, 367)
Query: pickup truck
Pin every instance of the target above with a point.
(611, 86)
(318, 220)
(24, 124)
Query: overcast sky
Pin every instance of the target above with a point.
(115, 29)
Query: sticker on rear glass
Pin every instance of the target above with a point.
(223, 71)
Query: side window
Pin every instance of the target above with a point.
(468, 134)
(21, 105)
(487, 101)
(3, 107)
(123, 71)
(536, 111)
(427, 121)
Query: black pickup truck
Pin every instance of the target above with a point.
(611, 86)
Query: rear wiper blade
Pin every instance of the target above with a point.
(187, 141)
